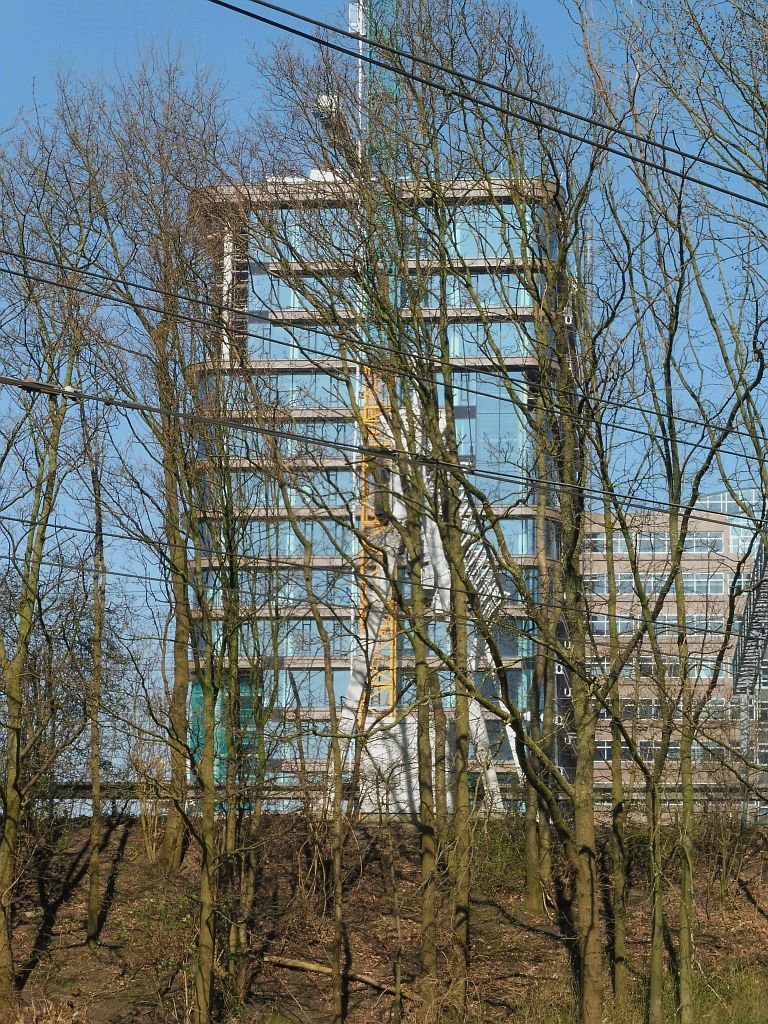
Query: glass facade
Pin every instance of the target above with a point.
(293, 365)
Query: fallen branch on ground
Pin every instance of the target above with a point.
(314, 968)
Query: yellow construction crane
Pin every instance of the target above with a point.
(377, 618)
(376, 614)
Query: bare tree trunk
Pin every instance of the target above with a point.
(175, 827)
(618, 811)
(441, 766)
(587, 887)
(685, 932)
(424, 692)
(548, 728)
(687, 734)
(460, 860)
(42, 504)
(538, 854)
(656, 963)
(533, 895)
(206, 943)
(337, 849)
(94, 696)
(12, 800)
(618, 862)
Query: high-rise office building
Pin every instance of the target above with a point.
(300, 470)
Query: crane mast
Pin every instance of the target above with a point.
(377, 623)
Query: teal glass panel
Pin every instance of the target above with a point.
(519, 535)
(307, 688)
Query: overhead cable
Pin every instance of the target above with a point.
(488, 104)
(383, 454)
(492, 371)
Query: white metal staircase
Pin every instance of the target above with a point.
(751, 656)
(491, 599)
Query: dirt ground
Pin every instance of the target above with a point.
(142, 967)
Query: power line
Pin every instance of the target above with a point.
(335, 609)
(386, 454)
(390, 454)
(485, 83)
(283, 562)
(487, 371)
(71, 528)
(83, 567)
(478, 101)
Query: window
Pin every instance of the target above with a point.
(318, 233)
(437, 636)
(244, 443)
(599, 624)
(519, 682)
(702, 624)
(308, 432)
(478, 290)
(624, 583)
(303, 639)
(313, 390)
(271, 340)
(491, 431)
(325, 535)
(249, 489)
(648, 749)
(700, 752)
(519, 535)
(603, 750)
(301, 233)
(305, 292)
(597, 584)
(515, 640)
(647, 709)
(484, 231)
(740, 539)
(491, 340)
(552, 539)
(467, 231)
(596, 542)
(698, 667)
(263, 292)
(530, 575)
(738, 709)
(703, 583)
(327, 487)
(701, 542)
(269, 538)
(499, 740)
(652, 542)
(716, 710)
(315, 743)
(598, 667)
(307, 688)
(329, 586)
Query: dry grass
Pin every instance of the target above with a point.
(142, 970)
(45, 1011)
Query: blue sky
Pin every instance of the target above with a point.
(92, 36)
